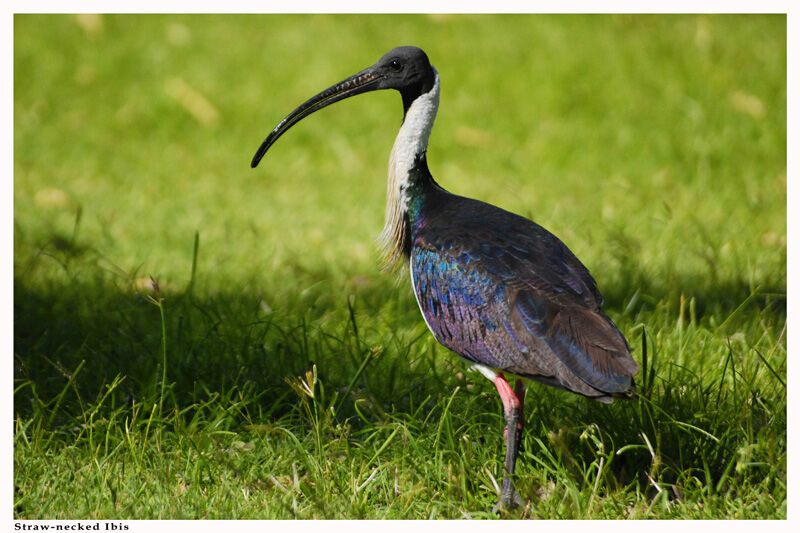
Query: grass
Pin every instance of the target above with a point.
(196, 339)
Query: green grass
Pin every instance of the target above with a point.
(276, 372)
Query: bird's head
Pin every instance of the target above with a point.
(405, 68)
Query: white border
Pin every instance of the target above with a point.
(410, 6)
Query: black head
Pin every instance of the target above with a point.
(405, 68)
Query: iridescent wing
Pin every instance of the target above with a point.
(503, 292)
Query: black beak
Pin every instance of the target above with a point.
(366, 80)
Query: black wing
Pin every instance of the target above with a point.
(502, 291)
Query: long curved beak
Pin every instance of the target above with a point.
(366, 80)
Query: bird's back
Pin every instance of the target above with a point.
(502, 291)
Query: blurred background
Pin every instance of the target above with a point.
(653, 146)
(599, 127)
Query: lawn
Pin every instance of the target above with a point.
(197, 339)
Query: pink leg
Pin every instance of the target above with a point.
(512, 411)
(507, 396)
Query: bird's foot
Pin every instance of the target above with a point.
(509, 502)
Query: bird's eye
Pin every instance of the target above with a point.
(396, 65)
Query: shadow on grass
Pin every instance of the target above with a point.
(73, 340)
(224, 339)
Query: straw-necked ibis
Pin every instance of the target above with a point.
(496, 288)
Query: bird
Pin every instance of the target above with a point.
(494, 287)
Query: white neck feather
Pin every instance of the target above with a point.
(412, 141)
